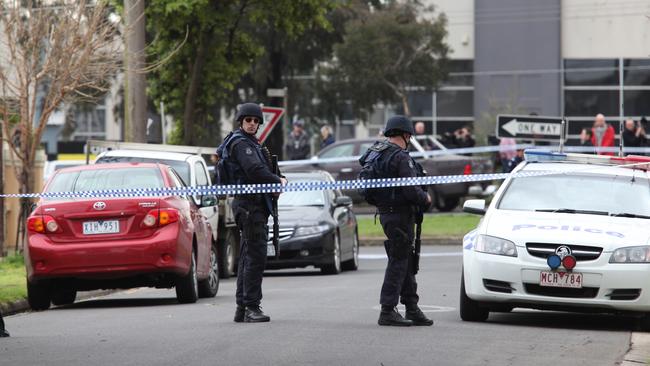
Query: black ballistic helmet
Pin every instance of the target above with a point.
(398, 125)
(249, 110)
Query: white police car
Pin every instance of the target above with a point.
(569, 232)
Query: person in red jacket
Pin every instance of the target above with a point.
(603, 135)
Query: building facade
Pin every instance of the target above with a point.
(572, 58)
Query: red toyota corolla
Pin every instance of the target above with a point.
(80, 244)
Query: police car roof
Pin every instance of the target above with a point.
(571, 167)
(147, 154)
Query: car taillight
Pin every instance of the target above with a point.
(167, 216)
(35, 224)
(42, 224)
(161, 217)
(468, 169)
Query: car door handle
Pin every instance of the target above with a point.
(346, 170)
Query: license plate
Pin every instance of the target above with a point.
(101, 227)
(270, 250)
(560, 279)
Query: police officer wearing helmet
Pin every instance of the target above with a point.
(244, 161)
(397, 207)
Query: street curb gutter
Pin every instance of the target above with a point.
(639, 353)
(20, 306)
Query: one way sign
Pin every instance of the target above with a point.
(530, 127)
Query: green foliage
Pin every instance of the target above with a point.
(218, 41)
(398, 46)
(447, 225)
(12, 279)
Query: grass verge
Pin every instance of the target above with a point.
(432, 226)
(12, 279)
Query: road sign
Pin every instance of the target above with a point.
(279, 93)
(271, 117)
(531, 127)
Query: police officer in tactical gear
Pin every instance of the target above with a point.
(397, 208)
(247, 162)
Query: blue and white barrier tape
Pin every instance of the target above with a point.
(475, 150)
(277, 187)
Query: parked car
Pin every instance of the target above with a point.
(194, 172)
(316, 228)
(80, 244)
(445, 196)
(576, 240)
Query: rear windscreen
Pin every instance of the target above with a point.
(181, 167)
(104, 179)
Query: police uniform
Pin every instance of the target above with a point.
(247, 162)
(397, 208)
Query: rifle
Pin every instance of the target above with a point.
(419, 216)
(274, 200)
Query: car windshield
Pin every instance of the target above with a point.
(304, 198)
(589, 194)
(104, 179)
(181, 167)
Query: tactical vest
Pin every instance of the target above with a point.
(228, 171)
(376, 164)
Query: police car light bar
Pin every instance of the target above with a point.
(537, 156)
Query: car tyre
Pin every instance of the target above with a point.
(187, 287)
(210, 286)
(444, 203)
(227, 254)
(335, 266)
(353, 264)
(64, 297)
(38, 296)
(470, 310)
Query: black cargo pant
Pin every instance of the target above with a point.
(399, 279)
(251, 218)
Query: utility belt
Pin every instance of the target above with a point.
(402, 209)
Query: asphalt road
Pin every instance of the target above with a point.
(315, 320)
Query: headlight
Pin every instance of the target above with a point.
(494, 245)
(311, 230)
(639, 254)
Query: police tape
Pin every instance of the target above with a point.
(242, 189)
(278, 188)
(475, 150)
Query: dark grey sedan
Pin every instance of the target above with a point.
(317, 228)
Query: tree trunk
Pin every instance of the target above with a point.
(192, 92)
(405, 104)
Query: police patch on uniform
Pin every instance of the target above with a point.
(249, 151)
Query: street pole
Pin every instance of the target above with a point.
(135, 111)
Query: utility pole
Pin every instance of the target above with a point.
(135, 98)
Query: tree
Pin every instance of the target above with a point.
(393, 48)
(49, 55)
(218, 47)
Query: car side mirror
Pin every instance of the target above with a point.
(476, 207)
(343, 201)
(209, 200)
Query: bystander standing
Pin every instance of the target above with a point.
(327, 137)
(603, 135)
(297, 146)
(507, 151)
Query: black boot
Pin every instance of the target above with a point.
(390, 316)
(254, 314)
(239, 313)
(416, 315)
(3, 333)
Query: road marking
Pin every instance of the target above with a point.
(422, 255)
(424, 308)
